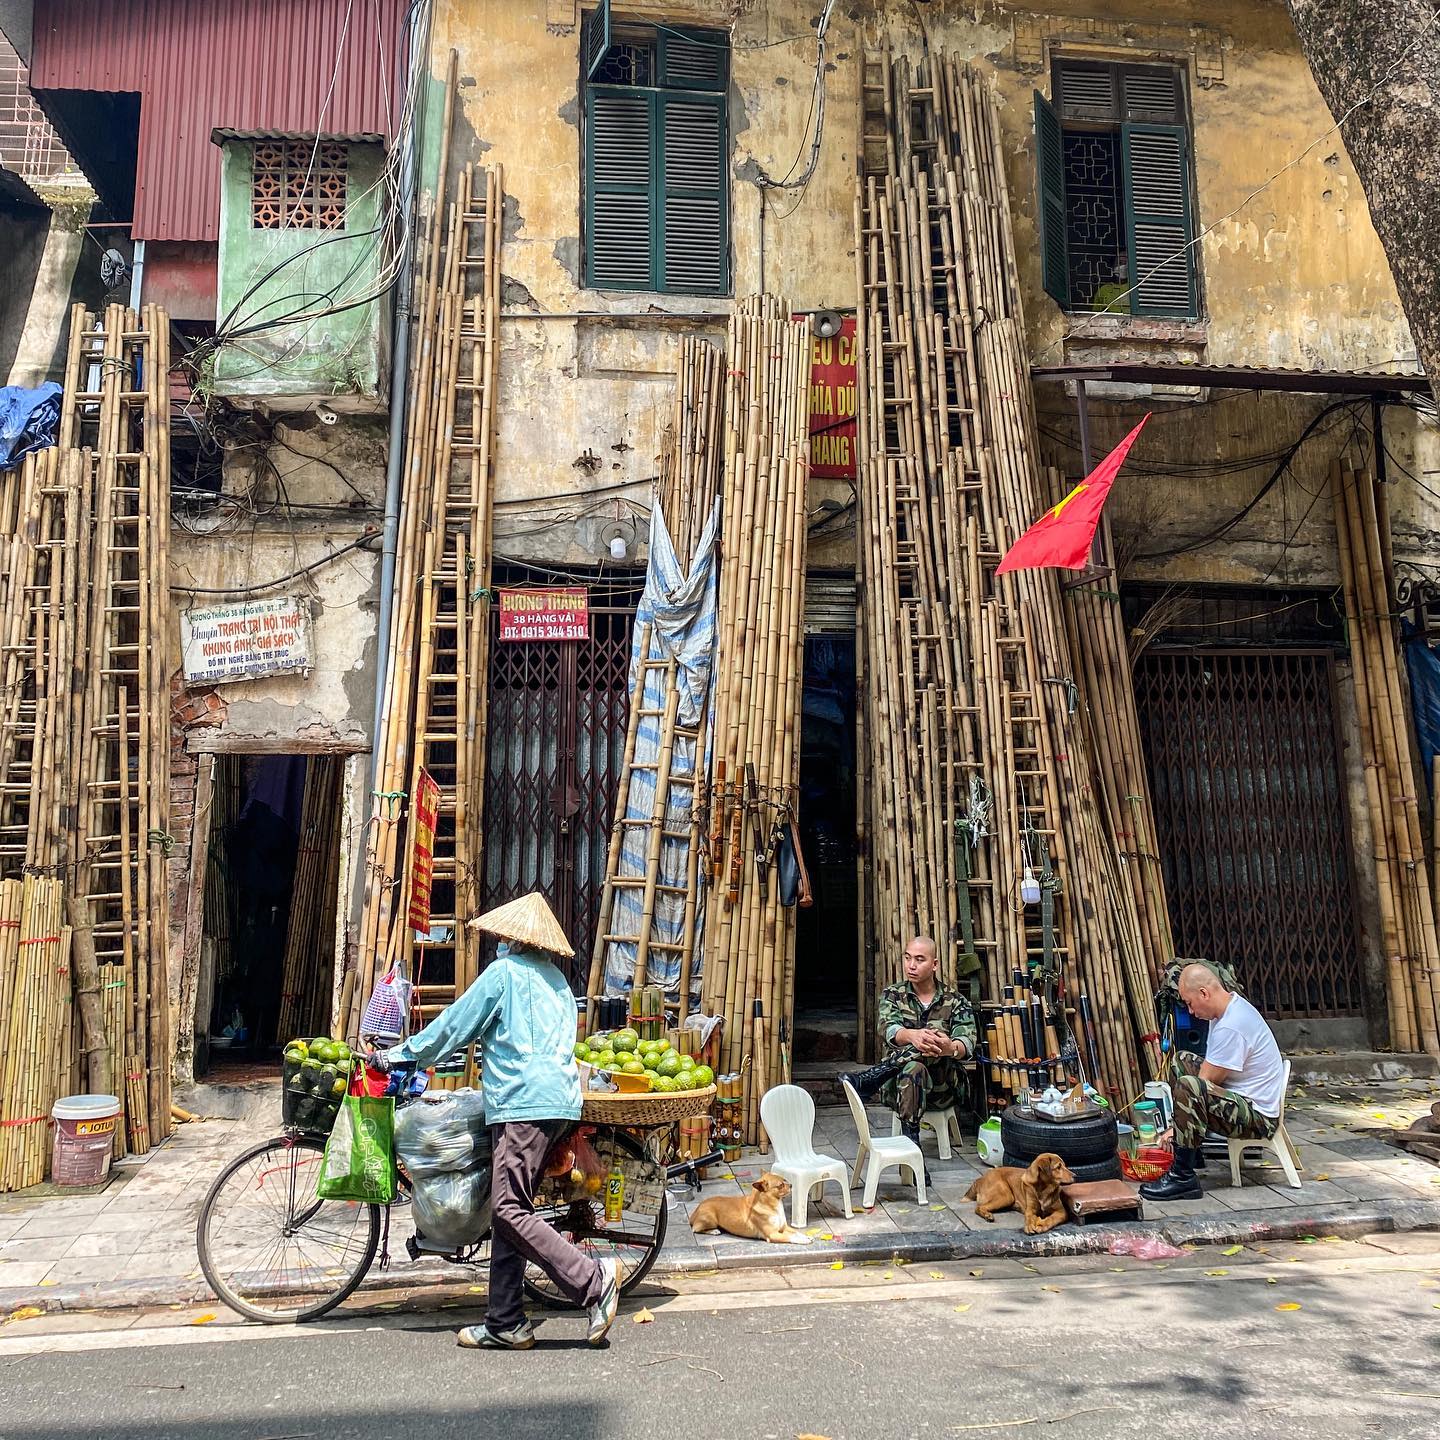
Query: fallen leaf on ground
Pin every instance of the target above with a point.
(44, 1284)
(643, 1317)
(837, 1264)
(1271, 1280)
(204, 1319)
(1324, 1176)
(888, 1275)
(477, 1289)
(901, 1260)
(25, 1312)
(1053, 1289)
(1288, 1305)
(961, 1309)
(1217, 1272)
(936, 1275)
(1232, 1250)
(808, 1436)
(977, 1273)
(1332, 1240)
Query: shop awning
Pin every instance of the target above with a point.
(1243, 377)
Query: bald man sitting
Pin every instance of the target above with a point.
(1236, 1090)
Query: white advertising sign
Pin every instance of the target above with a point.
(246, 640)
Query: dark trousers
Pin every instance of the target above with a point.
(520, 1235)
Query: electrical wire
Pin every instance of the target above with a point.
(369, 537)
(817, 112)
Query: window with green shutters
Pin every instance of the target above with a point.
(1114, 186)
(657, 147)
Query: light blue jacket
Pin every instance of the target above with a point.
(522, 1015)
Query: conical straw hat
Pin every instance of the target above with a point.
(528, 920)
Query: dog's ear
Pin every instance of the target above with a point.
(763, 1183)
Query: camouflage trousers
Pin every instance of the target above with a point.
(1200, 1108)
(923, 1084)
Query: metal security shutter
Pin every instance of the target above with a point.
(1157, 198)
(619, 151)
(1050, 202)
(1086, 92)
(829, 604)
(694, 258)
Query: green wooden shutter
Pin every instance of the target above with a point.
(694, 195)
(620, 226)
(1158, 219)
(597, 38)
(1050, 202)
(694, 59)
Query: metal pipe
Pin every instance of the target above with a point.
(399, 377)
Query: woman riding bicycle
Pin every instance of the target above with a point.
(521, 1014)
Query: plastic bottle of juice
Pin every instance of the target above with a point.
(615, 1194)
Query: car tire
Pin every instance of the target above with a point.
(1077, 1142)
(1084, 1174)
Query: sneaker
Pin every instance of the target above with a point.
(481, 1337)
(602, 1314)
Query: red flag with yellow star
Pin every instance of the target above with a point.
(1061, 538)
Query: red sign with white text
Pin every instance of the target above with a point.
(832, 405)
(550, 614)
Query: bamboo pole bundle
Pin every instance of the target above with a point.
(1407, 911)
(980, 774)
(749, 936)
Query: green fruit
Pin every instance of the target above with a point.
(310, 1063)
(663, 1045)
(339, 1087)
(295, 1053)
(650, 1060)
(605, 1059)
(600, 1041)
(633, 1067)
(704, 1076)
(343, 1053)
(669, 1063)
(626, 1044)
(582, 1050)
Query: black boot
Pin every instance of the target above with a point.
(1178, 1183)
(911, 1132)
(865, 1083)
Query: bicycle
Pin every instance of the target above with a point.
(275, 1252)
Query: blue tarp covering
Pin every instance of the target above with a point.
(680, 610)
(1424, 666)
(28, 421)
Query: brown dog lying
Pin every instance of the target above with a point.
(759, 1214)
(1035, 1192)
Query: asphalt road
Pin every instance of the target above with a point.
(1094, 1347)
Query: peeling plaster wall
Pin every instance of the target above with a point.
(1295, 278)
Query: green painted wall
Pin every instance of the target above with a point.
(337, 358)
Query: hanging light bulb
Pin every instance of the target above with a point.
(617, 547)
(1029, 888)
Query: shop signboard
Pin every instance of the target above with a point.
(545, 614)
(422, 868)
(246, 640)
(832, 404)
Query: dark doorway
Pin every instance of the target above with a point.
(826, 933)
(268, 941)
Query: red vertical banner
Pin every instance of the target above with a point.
(832, 404)
(422, 868)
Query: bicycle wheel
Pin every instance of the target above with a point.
(633, 1241)
(270, 1247)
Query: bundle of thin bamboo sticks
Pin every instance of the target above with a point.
(1407, 911)
(980, 788)
(306, 985)
(692, 453)
(749, 950)
(434, 712)
(84, 718)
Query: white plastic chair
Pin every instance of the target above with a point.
(880, 1153)
(788, 1114)
(943, 1122)
(1279, 1144)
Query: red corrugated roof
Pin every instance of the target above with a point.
(238, 64)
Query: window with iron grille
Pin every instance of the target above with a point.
(656, 198)
(1114, 182)
(299, 185)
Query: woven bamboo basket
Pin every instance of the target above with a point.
(648, 1109)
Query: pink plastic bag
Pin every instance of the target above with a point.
(1144, 1247)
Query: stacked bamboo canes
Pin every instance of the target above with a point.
(434, 714)
(749, 947)
(975, 765)
(307, 983)
(1407, 910)
(692, 462)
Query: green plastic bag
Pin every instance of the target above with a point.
(360, 1154)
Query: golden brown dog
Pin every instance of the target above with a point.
(1035, 1192)
(759, 1214)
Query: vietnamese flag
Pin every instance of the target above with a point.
(1061, 538)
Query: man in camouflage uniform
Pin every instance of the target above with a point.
(1237, 1089)
(930, 1032)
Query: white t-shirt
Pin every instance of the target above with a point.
(1241, 1042)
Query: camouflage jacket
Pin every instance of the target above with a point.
(948, 1012)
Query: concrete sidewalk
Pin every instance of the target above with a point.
(134, 1242)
